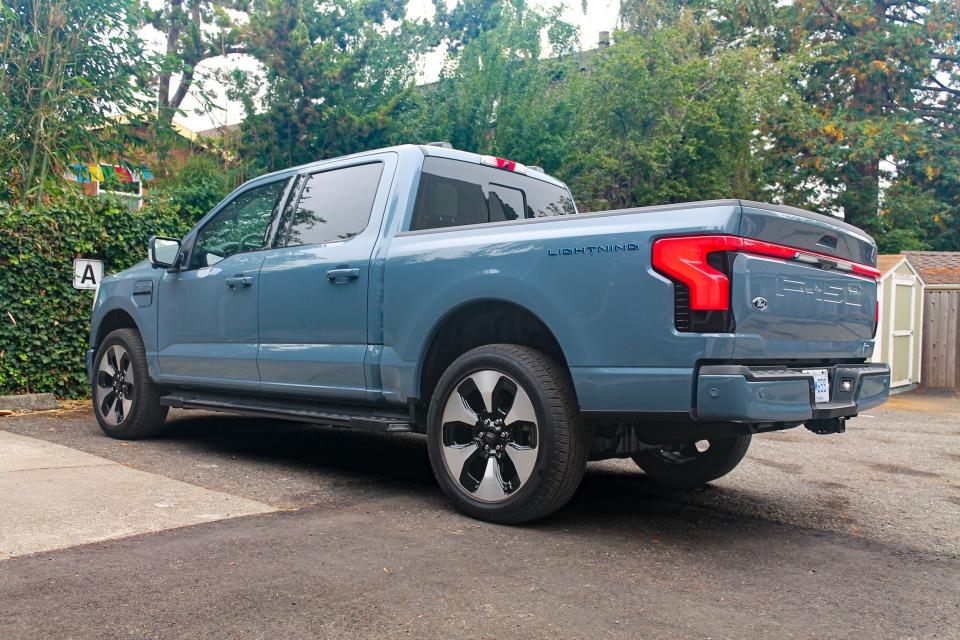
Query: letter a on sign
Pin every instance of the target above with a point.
(87, 273)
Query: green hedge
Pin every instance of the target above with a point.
(44, 321)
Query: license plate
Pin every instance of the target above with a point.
(821, 385)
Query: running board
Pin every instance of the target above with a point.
(350, 416)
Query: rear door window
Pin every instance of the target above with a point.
(453, 193)
(335, 205)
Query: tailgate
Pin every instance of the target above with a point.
(790, 309)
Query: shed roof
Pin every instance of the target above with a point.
(888, 261)
(936, 267)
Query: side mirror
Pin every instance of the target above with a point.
(164, 253)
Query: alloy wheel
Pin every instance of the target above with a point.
(115, 385)
(490, 436)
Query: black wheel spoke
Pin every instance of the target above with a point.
(104, 380)
(106, 405)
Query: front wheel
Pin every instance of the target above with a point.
(504, 434)
(688, 465)
(125, 400)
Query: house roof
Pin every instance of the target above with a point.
(936, 267)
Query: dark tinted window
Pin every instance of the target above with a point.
(242, 225)
(335, 205)
(505, 203)
(454, 193)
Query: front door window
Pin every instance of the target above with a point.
(242, 225)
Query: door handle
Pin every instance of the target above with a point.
(342, 275)
(239, 282)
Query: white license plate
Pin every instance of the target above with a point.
(821, 385)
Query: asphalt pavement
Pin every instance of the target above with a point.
(844, 536)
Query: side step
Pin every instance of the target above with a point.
(360, 417)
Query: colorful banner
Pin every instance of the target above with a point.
(123, 173)
(79, 172)
(93, 172)
(96, 173)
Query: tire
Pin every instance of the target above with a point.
(125, 400)
(514, 452)
(686, 466)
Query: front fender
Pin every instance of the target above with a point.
(133, 293)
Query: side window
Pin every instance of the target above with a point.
(335, 205)
(454, 193)
(242, 225)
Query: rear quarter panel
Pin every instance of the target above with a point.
(610, 312)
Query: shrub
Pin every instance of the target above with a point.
(44, 321)
(196, 187)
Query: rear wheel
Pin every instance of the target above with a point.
(504, 434)
(125, 400)
(687, 465)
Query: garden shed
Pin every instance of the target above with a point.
(940, 271)
(899, 334)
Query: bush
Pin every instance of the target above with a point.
(197, 187)
(44, 321)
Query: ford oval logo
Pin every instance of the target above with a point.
(760, 303)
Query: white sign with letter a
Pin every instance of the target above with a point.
(87, 273)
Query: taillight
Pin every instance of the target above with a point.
(876, 319)
(685, 259)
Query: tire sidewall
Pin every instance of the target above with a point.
(471, 362)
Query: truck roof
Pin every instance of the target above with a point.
(427, 150)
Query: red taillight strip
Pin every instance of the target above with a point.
(684, 258)
(792, 253)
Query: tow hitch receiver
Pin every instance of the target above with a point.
(825, 426)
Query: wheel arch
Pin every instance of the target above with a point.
(113, 320)
(477, 323)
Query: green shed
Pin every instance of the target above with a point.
(899, 339)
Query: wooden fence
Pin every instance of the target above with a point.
(941, 339)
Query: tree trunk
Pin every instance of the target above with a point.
(861, 202)
(165, 110)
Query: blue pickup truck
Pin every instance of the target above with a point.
(426, 289)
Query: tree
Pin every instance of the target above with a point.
(334, 75)
(660, 122)
(66, 67)
(500, 90)
(877, 86)
(193, 31)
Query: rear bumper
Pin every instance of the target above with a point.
(740, 393)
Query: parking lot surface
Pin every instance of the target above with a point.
(844, 536)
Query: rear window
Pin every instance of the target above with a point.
(454, 193)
